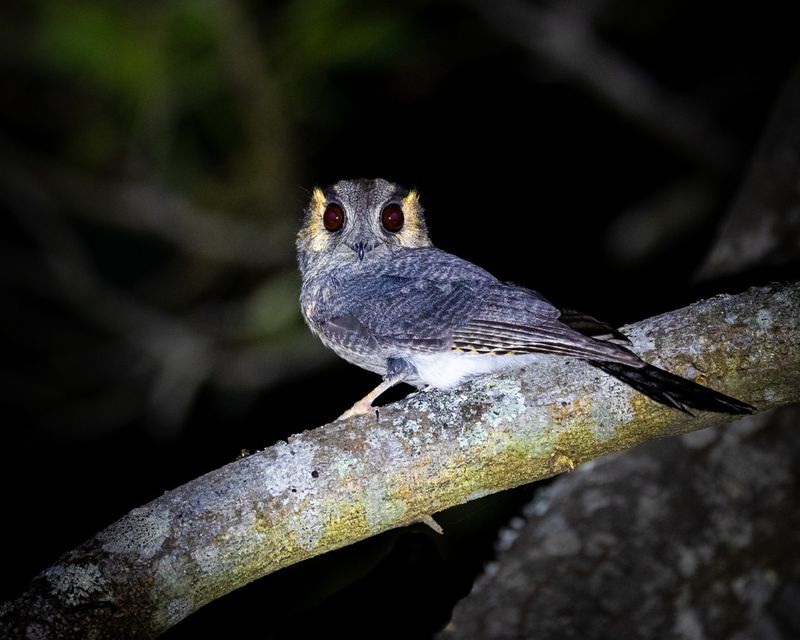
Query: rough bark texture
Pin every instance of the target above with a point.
(335, 485)
(692, 537)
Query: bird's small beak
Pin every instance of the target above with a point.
(361, 249)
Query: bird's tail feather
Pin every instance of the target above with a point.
(674, 391)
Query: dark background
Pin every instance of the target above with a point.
(155, 158)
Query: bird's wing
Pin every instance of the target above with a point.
(513, 320)
(408, 302)
(426, 300)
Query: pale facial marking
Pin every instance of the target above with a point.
(313, 231)
(414, 233)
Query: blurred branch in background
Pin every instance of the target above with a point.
(183, 350)
(762, 228)
(563, 35)
(172, 217)
(653, 225)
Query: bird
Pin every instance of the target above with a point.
(379, 294)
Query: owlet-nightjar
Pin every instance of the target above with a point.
(377, 292)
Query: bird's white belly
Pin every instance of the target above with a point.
(445, 370)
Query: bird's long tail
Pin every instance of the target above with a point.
(674, 391)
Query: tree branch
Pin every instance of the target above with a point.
(338, 484)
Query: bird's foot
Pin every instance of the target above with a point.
(360, 408)
(364, 406)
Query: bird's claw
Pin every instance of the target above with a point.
(360, 408)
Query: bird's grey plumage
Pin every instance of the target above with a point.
(426, 301)
(392, 303)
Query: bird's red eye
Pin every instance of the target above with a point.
(392, 218)
(333, 218)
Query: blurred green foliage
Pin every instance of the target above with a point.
(322, 35)
(206, 96)
(108, 46)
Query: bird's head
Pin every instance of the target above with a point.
(358, 220)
